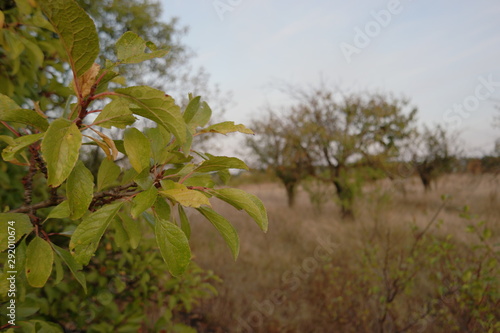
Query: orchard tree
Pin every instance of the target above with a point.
(280, 147)
(350, 130)
(67, 223)
(435, 152)
(342, 136)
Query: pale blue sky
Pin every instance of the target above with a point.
(439, 54)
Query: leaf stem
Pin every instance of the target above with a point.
(104, 94)
(16, 133)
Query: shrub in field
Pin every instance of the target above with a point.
(106, 233)
(427, 284)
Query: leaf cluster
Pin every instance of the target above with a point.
(150, 177)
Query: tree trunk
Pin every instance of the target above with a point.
(425, 177)
(290, 193)
(346, 198)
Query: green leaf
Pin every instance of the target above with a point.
(8, 139)
(19, 223)
(87, 235)
(156, 106)
(12, 44)
(225, 228)
(138, 149)
(117, 113)
(216, 163)
(130, 49)
(162, 208)
(185, 196)
(19, 144)
(133, 230)
(203, 180)
(76, 30)
(79, 190)
(73, 266)
(227, 127)
(144, 179)
(246, 201)
(107, 174)
(160, 139)
(24, 7)
(120, 236)
(185, 226)
(47, 327)
(59, 270)
(60, 211)
(224, 176)
(39, 260)
(36, 55)
(197, 113)
(143, 201)
(60, 150)
(174, 246)
(10, 111)
(487, 233)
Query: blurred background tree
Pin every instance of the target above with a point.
(336, 137)
(281, 148)
(436, 152)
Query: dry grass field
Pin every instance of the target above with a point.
(407, 263)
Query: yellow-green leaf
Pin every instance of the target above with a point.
(39, 260)
(107, 174)
(130, 49)
(217, 163)
(117, 113)
(227, 127)
(2, 19)
(246, 201)
(15, 225)
(174, 246)
(19, 144)
(60, 150)
(156, 106)
(87, 235)
(160, 139)
(197, 113)
(143, 201)
(185, 196)
(138, 149)
(76, 30)
(225, 228)
(60, 211)
(162, 208)
(11, 112)
(79, 190)
(73, 266)
(184, 221)
(36, 55)
(133, 230)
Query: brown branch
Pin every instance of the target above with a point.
(105, 197)
(40, 205)
(100, 198)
